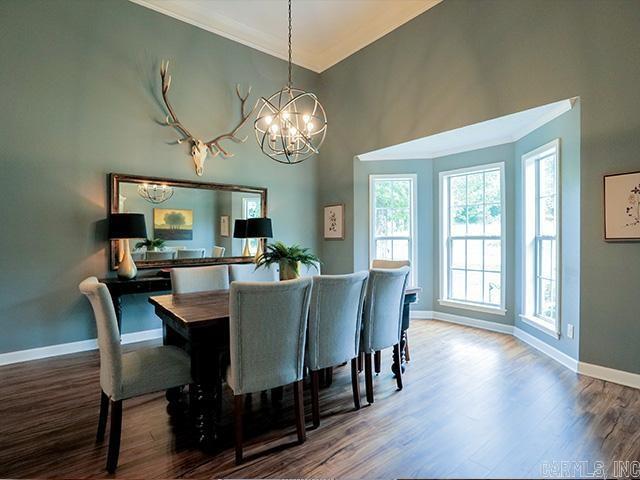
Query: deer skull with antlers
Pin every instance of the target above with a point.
(200, 149)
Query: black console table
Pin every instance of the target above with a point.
(149, 283)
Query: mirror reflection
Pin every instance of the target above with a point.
(187, 223)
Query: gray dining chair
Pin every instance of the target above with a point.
(167, 255)
(131, 374)
(379, 263)
(199, 279)
(247, 272)
(267, 328)
(382, 322)
(190, 253)
(335, 314)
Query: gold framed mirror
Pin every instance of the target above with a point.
(187, 222)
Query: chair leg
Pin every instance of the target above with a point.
(377, 360)
(102, 420)
(238, 408)
(328, 376)
(361, 361)
(368, 377)
(114, 436)
(355, 383)
(407, 355)
(315, 400)
(396, 360)
(298, 399)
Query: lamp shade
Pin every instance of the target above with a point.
(259, 228)
(240, 229)
(127, 225)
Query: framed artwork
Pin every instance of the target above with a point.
(172, 224)
(334, 222)
(224, 225)
(622, 206)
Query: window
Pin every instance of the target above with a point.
(541, 217)
(472, 247)
(251, 209)
(393, 225)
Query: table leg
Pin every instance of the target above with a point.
(204, 392)
(117, 306)
(406, 310)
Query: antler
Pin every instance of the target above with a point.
(172, 119)
(232, 135)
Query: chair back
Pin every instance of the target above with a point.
(247, 272)
(199, 279)
(267, 327)
(390, 263)
(335, 315)
(190, 253)
(108, 335)
(217, 252)
(310, 270)
(168, 255)
(383, 308)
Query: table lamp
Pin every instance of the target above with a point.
(123, 226)
(240, 231)
(259, 228)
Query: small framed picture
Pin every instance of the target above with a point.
(334, 222)
(224, 225)
(622, 206)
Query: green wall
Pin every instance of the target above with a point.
(79, 99)
(466, 61)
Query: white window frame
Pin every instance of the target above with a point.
(444, 241)
(530, 223)
(413, 234)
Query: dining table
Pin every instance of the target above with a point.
(199, 324)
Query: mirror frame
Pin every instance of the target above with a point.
(114, 192)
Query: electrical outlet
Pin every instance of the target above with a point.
(570, 330)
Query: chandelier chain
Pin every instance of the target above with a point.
(289, 83)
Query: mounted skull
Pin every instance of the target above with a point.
(200, 149)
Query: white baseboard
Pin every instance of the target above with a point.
(610, 374)
(73, 347)
(461, 320)
(548, 350)
(595, 371)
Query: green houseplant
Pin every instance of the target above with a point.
(289, 259)
(151, 244)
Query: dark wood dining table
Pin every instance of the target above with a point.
(199, 323)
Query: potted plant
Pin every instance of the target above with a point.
(288, 258)
(152, 245)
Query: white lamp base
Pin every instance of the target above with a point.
(127, 268)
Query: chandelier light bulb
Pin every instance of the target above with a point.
(268, 119)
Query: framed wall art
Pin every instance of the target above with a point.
(334, 222)
(622, 206)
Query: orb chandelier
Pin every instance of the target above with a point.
(291, 124)
(155, 193)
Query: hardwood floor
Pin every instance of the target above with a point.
(474, 404)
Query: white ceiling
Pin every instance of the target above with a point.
(497, 131)
(324, 31)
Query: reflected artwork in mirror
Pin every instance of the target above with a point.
(188, 223)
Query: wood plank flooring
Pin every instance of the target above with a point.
(475, 404)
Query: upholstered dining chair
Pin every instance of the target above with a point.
(166, 255)
(190, 253)
(217, 252)
(267, 328)
(378, 263)
(199, 279)
(131, 374)
(335, 314)
(383, 318)
(247, 272)
(138, 256)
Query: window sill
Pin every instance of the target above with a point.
(540, 325)
(472, 306)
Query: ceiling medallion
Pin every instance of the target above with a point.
(291, 124)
